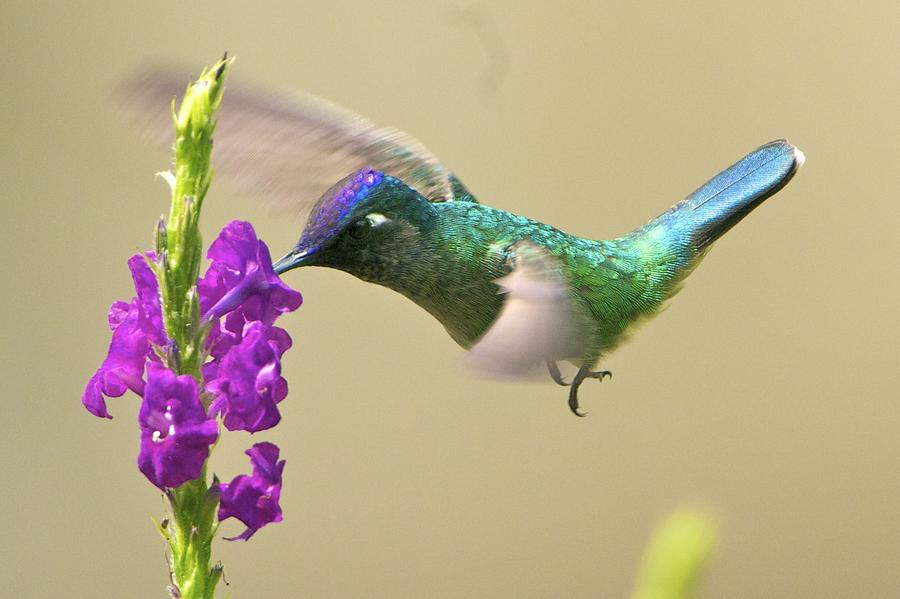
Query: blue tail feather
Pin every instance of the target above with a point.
(719, 204)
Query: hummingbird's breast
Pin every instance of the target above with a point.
(453, 273)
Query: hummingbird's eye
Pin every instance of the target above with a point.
(358, 229)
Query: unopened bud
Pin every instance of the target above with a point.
(161, 236)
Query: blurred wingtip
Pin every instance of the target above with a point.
(146, 96)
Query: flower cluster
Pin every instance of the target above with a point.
(240, 380)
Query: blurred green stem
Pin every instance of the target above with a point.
(676, 556)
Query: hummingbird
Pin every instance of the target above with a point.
(513, 291)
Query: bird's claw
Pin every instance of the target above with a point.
(582, 374)
(556, 375)
(573, 402)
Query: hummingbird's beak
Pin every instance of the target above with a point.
(293, 259)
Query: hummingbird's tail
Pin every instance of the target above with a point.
(708, 213)
(656, 258)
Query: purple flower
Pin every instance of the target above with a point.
(230, 332)
(147, 287)
(175, 431)
(241, 276)
(136, 326)
(254, 499)
(240, 297)
(248, 382)
(244, 293)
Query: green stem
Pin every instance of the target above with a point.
(193, 530)
(179, 241)
(179, 247)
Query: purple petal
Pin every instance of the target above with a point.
(254, 499)
(92, 398)
(118, 312)
(248, 382)
(175, 431)
(147, 288)
(241, 276)
(235, 243)
(136, 326)
(123, 367)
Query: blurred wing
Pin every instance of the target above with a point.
(287, 147)
(538, 322)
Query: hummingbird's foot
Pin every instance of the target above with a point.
(556, 375)
(582, 374)
(600, 374)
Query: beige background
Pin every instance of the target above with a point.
(766, 393)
